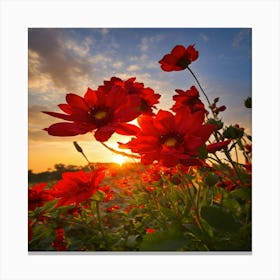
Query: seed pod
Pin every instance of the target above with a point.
(78, 148)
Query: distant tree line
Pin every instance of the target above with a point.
(52, 175)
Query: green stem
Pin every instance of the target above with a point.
(100, 222)
(193, 203)
(201, 88)
(236, 154)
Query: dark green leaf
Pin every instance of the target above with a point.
(219, 219)
(169, 240)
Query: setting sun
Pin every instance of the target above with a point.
(119, 159)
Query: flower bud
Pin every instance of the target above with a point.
(233, 132)
(77, 146)
(218, 123)
(211, 179)
(248, 102)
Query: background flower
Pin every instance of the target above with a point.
(179, 58)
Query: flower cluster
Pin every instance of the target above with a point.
(105, 111)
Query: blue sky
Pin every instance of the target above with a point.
(70, 60)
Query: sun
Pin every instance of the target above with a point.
(119, 159)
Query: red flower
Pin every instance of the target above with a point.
(212, 148)
(150, 230)
(60, 242)
(113, 208)
(179, 58)
(170, 139)
(109, 194)
(77, 187)
(38, 196)
(105, 112)
(189, 100)
(147, 96)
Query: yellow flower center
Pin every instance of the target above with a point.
(170, 142)
(100, 115)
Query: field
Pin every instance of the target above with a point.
(137, 208)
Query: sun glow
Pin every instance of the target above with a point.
(119, 159)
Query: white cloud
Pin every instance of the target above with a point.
(79, 48)
(148, 42)
(117, 64)
(55, 62)
(104, 31)
(133, 67)
(241, 37)
(204, 37)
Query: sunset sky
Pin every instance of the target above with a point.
(62, 61)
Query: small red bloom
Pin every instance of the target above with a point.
(222, 108)
(179, 58)
(170, 139)
(108, 192)
(113, 208)
(77, 187)
(150, 230)
(147, 96)
(104, 112)
(60, 242)
(38, 196)
(189, 100)
(212, 148)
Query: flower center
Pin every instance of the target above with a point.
(183, 62)
(170, 142)
(100, 116)
(171, 139)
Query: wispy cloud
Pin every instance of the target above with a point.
(241, 38)
(147, 42)
(133, 67)
(55, 61)
(204, 37)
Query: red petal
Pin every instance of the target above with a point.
(127, 129)
(164, 121)
(212, 148)
(178, 51)
(76, 101)
(59, 115)
(146, 124)
(205, 131)
(65, 108)
(102, 134)
(90, 97)
(68, 129)
(192, 53)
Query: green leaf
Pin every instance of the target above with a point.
(231, 204)
(219, 219)
(50, 205)
(243, 194)
(169, 240)
(99, 196)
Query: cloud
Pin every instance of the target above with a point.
(204, 37)
(133, 67)
(148, 42)
(242, 38)
(56, 60)
(104, 31)
(80, 49)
